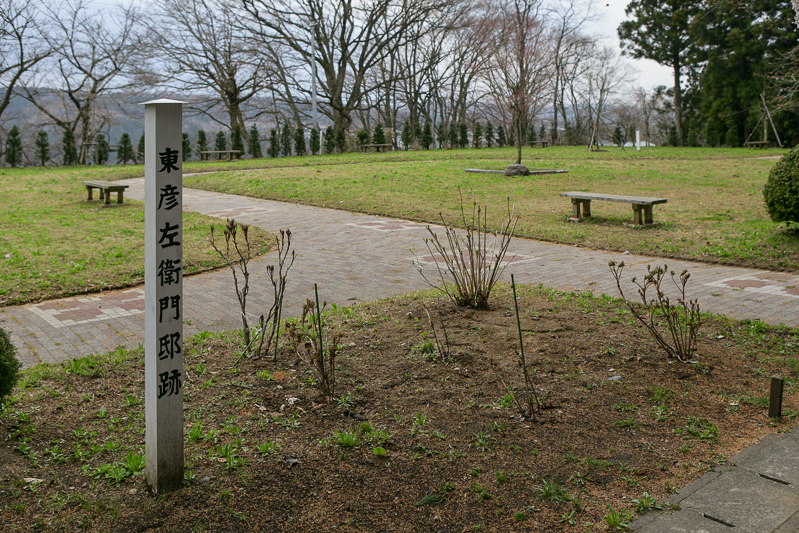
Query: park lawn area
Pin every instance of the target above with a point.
(715, 210)
(53, 243)
(413, 441)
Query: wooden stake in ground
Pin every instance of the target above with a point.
(163, 286)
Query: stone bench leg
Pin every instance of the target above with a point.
(89, 193)
(642, 215)
(648, 215)
(107, 198)
(576, 208)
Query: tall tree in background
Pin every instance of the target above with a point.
(207, 51)
(521, 64)
(185, 146)
(661, 31)
(69, 150)
(350, 39)
(124, 149)
(100, 149)
(13, 147)
(20, 47)
(95, 54)
(42, 144)
(254, 142)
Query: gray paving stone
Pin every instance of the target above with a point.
(775, 456)
(683, 521)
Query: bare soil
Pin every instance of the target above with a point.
(618, 419)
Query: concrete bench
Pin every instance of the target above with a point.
(756, 144)
(105, 189)
(377, 147)
(206, 154)
(642, 206)
(543, 144)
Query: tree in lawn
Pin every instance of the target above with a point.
(237, 140)
(364, 137)
(100, 149)
(140, 150)
(501, 139)
(463, 135)
(70, 151)
(341, 140)
(286, 139)
(274, 144)
(379, 134)
(417, 133)
(185, 146)
(407, 135)
(254, 142)
(489, 134)
(124, 150)
(427, 136)
(618, 136)
(542, 133)
(314, 141)
(42, 148)
(202, 143)
(781, 192)
(477, 135)
(453, 135)
(299, 140)
(13, 147)
(220, 143)
(330, 140)
(441, 134)
(661, 31)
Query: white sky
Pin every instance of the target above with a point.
(650, 74)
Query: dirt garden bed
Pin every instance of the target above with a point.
(264, 452)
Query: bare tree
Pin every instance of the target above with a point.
(205, 50)
(350, 38)
(20, 46)
(521, 64)
(93, 52)
(607, 75)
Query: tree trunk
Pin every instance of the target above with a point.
(678, 102)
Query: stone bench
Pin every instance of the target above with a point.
(377, 147)
(543, 144)
(105, 189)
(206, 154)
(642, 206)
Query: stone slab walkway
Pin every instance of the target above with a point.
(757, 493)
(354, 258)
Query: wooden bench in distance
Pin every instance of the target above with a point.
(377, 147)
(642, 206)
(105, 189)
(206, 154)
(756, 144)
(543, 144)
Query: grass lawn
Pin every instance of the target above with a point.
(715, 210)
(414, 441)
(53, 243)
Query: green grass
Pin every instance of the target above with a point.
(715, 210)
(53, 243)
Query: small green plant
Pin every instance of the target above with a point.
(482, 493)
(646, 503)
(436, 497)
(195, 432)
(551, 490)
(625, 407)
(420, 420)
(265, 375)
(267, 447)
(482, 442)
(699, 428)
(506, 401)
(520, 516)
(345, 439)
(502, 477)
(345, 402)
(617, 520)
(628, 423)
(568, 517)
(661, 413)
(134, 463)
(661, 395)
(379, 451)
(580, 479)
(682, 320)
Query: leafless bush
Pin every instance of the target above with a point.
(525, 399)
(682, 320)
(470, 262)
(314, 346)
(442, 342)
(237, 255)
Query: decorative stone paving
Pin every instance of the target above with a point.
(354, 258)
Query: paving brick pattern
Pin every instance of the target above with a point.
(354, 258)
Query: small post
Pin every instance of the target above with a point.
(638, 140)
(775, 398)
(163, 290)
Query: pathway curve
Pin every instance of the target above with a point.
(353, 258)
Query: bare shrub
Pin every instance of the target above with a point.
(471, 263)
(442, 342)
(682, 320)
(314, 346)
(237, 254)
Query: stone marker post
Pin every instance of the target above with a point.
(638, 140)
(163, 287)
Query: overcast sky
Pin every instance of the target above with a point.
(650, 74)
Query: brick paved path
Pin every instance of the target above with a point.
(356, 258)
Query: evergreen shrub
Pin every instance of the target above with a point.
(782, 189)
